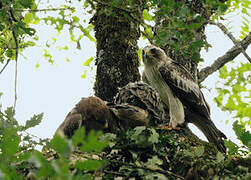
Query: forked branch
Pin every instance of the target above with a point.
(230, 35)
(227, 57)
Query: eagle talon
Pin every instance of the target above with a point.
(169, 127)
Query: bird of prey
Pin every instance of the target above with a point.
(180, 92)
(91, 113)
(144, 96)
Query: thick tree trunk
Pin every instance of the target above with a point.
(117, 59)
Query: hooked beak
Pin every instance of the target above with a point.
(145, 53)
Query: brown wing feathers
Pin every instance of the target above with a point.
(184, 87)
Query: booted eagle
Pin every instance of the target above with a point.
(180, 92)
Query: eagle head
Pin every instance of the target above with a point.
(152, 55)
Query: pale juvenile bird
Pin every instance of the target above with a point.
(180, 92)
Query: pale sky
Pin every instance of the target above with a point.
(55, 89)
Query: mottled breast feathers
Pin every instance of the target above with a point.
(184, 87)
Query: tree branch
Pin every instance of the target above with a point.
(5, 66)
(117, 7)
(230, 35)
(221, 61)
(12, 19)
(41, 10)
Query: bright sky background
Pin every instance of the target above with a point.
(55, 89)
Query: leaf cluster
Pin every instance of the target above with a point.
(234, 96)
(15, 143)
(142, 152)
(243, 7)
(18, 26)
(20, 159)
(14, 27)
(167, 155)
(179, 24)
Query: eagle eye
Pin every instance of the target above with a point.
(143, 52)
(153, 51)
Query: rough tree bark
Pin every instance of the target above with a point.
(117, 34)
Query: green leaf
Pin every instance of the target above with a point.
(138, 131)
(10, 141)
(244, 11)
(154, 137)
(223, 72)
(61, 146)
(10, 53)
(199, 151)
(231, 146)
(75, 19)
(1, 27)
(146, 15)
(29, 31)
(88, 61)
(45, 169)
(149, 32)
(86, 32)
(26, 3)
(188, 153)
(29, 43)
(110, 138)
(242, 134)
(92, 143)
(68, 60)
(78, 136)
(9, 112)
(82, 176)
(60, 48)
(84, 75)
(34, 121)
(154, 163)
(90, 164)
(139, 54)
(28, 18)
(144, 137)
(220, 157)
(48, 56)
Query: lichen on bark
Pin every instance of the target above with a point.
(117, 59)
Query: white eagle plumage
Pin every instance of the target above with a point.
(178, 89)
